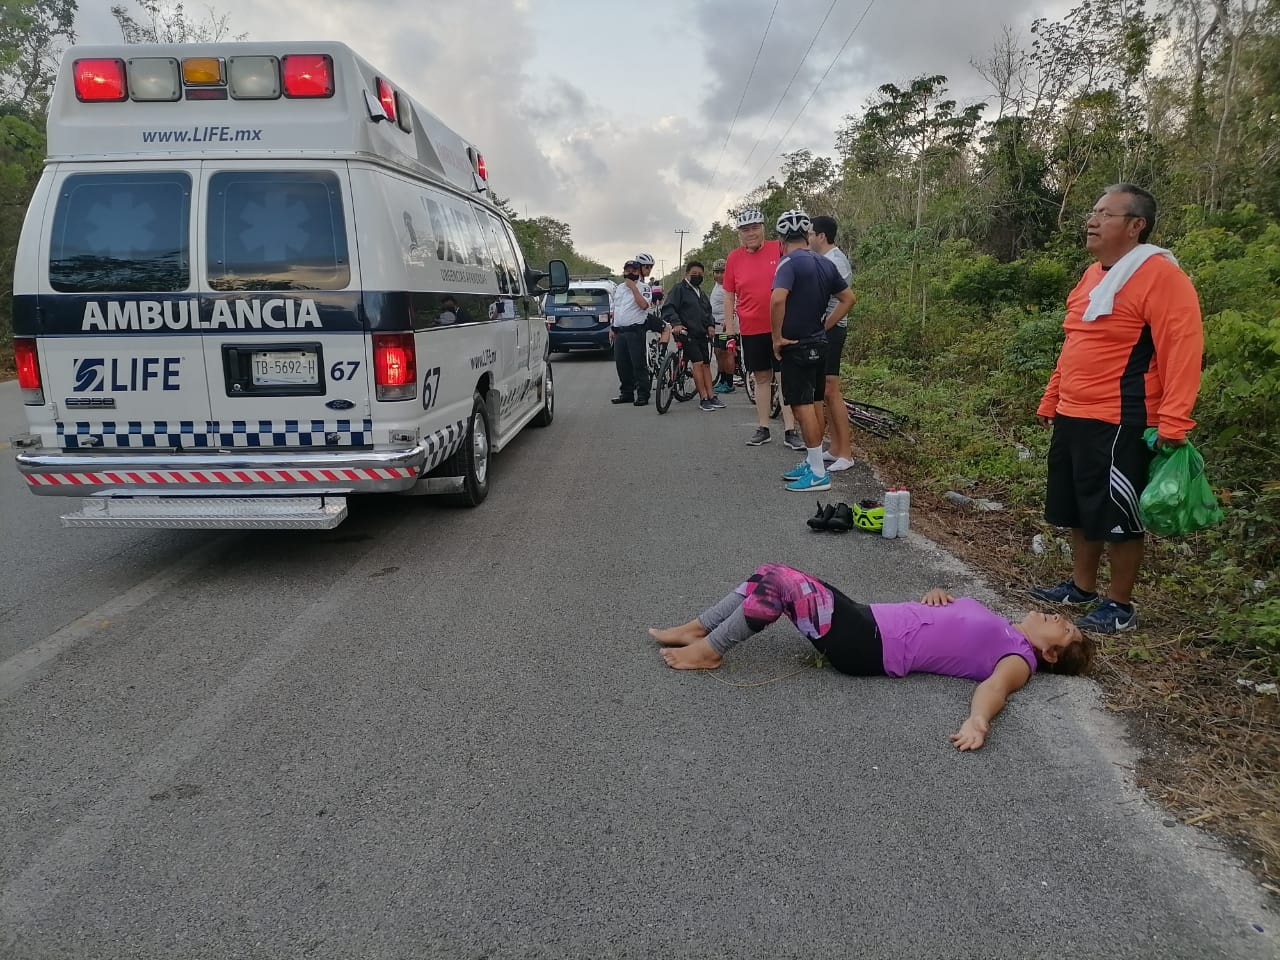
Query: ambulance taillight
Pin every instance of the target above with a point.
(307, 75)
(481, 169)
(395, 366)
(387, 97)
(100, 80)
(27, 360)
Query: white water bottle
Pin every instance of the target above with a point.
(890, 528)
(904, 512)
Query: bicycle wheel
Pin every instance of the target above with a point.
(749, 386)
(685, 388)
(666, 385)
(775, 398)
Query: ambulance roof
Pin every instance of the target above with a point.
(208, 121)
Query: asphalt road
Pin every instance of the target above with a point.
(443, 733)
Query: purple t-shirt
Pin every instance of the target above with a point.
(962, 639)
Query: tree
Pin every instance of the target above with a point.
(163, 21)
(32, 35)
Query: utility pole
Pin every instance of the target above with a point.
(682, 233)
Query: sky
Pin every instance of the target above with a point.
(632, 121)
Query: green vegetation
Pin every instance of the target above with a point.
(966, 236)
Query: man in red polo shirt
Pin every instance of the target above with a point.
(748, 285)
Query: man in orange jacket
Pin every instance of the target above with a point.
(1131, 360)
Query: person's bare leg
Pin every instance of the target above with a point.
(1126, 560)
(695, 656)
(679, 636)
(838, 420)
(1086, 557)
(807, 416)
(788, 419)
(763, 379)
(702, 379)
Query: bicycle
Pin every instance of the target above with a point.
(876, 420)
(675, 377)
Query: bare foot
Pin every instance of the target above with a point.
(697, 655)
(680, 636)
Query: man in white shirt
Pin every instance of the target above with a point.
(724, 356)
(631, 306)
(839, 456)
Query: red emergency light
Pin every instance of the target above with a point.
(307, 75)
(395, 366)
(27, 359)
(100, 81)
(482, 171)
(387, 97)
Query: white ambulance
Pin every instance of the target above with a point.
(257, 278)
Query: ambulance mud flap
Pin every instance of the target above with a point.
(211, 513)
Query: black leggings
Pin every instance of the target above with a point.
(853, 644)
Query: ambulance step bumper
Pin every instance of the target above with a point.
(211, 513)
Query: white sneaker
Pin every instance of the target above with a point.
(836, 464)
(828, 457)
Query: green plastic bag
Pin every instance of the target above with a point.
(1178, 499)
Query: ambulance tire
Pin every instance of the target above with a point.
(473, 459)
(548, 411)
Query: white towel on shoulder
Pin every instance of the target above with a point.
(1102, 298)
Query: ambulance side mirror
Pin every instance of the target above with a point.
(558, 274)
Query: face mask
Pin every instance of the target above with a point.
(696, 279)
(632, 276)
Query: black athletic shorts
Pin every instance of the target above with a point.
(804, 374)
(757, 352)
(835, 349)
(697, 347)
(853, 644)
(1096, 472)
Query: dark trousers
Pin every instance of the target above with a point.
(630, 355)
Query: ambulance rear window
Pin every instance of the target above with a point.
(122, 232)
(277, 231)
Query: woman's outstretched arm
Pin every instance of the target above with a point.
(1010, 674)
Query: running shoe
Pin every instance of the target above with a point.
(761, 436)
(810, 483)
(1065, 592)
(840, 463)
(722, 387)
(707, 406)
(1109, 617)
(716, 403)
(792, 439)
(795, 473)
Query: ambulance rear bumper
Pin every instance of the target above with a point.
(222, 474)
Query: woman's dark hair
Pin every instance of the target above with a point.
(1075, 660)
(1141, 204)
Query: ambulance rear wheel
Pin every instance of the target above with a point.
(548, 411)
(473, 459)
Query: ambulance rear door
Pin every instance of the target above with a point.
(118, 308)
(284, 339)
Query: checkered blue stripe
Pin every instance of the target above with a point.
(442, 444)
(134, 434)
(291, 433)
(205, 434)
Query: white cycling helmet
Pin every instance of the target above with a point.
(644, 260)
(747, 217)
(793, 221)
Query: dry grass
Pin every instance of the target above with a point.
(1210, 747)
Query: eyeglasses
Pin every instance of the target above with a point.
(1106, 215)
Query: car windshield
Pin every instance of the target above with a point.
(580, 297)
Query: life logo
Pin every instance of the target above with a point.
(127, 374)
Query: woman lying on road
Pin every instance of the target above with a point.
(940, 634)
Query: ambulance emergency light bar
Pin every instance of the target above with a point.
(161, 79)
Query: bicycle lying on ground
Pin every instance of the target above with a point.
(876, 420)
(675, 377)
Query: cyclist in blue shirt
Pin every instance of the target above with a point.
(802, 286)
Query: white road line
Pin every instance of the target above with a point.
(20, 668)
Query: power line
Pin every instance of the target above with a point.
(741, 101)
(799, 66)
(813, 93)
